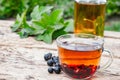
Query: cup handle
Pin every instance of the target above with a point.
(109, 62)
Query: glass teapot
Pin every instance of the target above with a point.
(89, 16)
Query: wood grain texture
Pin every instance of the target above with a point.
(22, 59)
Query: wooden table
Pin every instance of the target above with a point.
(22, 59)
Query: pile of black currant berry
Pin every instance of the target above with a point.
(53, 63)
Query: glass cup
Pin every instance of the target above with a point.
(80, 54)
(89, 16)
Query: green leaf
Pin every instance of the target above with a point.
(58, 26)
(56, 16)
(46, 37)
(17, 24)
(58, 33)
(23, 33)
(45, 25)
(69, 25)
(30, 30)
(26, 30)
(51, 19)
(39, 28)
(19, 21)
(38, 11)
(45, 21)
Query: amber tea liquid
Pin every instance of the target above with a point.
(80, 63)
(89, 18)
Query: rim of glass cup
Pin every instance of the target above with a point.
(97, 39)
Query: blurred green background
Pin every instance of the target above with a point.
(10, 8)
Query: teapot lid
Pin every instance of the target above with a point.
(92, 1)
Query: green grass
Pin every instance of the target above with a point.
(114, 27)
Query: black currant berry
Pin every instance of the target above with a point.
(57, 70)
(54, 62)
(57, 65)
(50, 70)
(50, 62)
(47, 56)
(55, 59)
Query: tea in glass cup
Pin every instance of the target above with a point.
(80, 54)
(89, 16)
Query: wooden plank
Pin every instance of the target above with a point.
(109, 34)
(22, 59)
